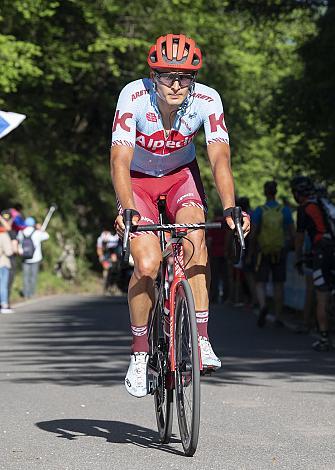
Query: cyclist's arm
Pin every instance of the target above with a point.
(218, 150)
(123, 144)
(121, 157)
(219, 157)
(100, 253)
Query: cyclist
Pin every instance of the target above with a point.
(108, 251)
(152, 153)
(311, 220)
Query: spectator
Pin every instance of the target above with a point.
(5, 252)
(311, 219)
(31, 265)
(6, 214)
(270, 223)
(17, 217)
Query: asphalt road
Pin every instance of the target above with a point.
(63, 405)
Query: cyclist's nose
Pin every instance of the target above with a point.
(175, 86)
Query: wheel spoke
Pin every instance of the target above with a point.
(187, 369)
(163, 398)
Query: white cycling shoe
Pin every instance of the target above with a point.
(136, 380)
(208, 356)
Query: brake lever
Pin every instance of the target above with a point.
(237, 217)
(127, 219)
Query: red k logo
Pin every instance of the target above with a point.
(121, 120)
(217, 122)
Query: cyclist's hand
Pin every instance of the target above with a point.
(246, 223)
(119, 224)
(230, 223)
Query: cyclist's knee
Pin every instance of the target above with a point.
(197, 249)
(146, 266)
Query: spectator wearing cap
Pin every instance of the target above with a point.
(5, 252)
(31, 265)
(270, 224)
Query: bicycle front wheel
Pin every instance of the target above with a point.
(163, 394)
(187, 369)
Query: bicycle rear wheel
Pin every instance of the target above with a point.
(163, 396)
(187, 369)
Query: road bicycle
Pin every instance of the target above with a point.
(175, 364)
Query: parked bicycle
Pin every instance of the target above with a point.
(174, 357)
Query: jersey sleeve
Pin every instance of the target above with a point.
(124, 124)
(214, 122)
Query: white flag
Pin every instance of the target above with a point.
(9, 121)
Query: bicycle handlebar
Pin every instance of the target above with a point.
(234, 212)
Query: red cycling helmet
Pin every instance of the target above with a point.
(184, 57)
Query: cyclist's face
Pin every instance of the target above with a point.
(172, 87)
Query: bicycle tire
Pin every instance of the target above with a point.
(163, 397)
(187, 376)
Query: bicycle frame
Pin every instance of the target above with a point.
(175, 249)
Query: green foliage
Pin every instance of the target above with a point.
(307, 102)
(16, 63)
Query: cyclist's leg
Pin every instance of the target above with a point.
(320, 266)
(146, 252)
(186, 204)
(197, 270)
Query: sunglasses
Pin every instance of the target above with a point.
(168, 78)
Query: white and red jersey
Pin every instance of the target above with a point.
(138, 124)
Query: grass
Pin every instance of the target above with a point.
(50, 284)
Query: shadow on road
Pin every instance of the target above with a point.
(277, 353)
(86, 340)
(78, 341)
(115, 432)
